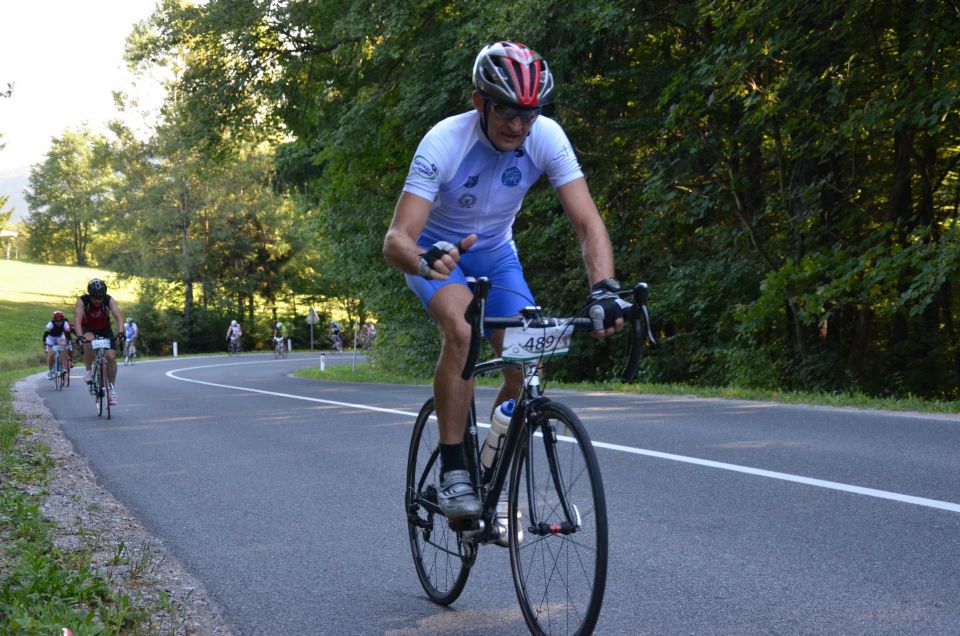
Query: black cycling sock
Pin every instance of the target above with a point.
(451, 458)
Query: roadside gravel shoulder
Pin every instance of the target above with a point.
(87, 517)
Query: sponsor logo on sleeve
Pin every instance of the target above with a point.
(511, 177)
(565, 153)
(425, 168)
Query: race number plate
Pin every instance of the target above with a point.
(100, 343)
(529, 343)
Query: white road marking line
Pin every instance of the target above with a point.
(170, 374)
(809, 481)
(747, 470)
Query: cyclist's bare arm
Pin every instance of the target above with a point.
(592, 233)
(116, 313)
(400, 243)
(78, 315)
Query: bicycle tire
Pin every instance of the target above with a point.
(57, 375)
(98, 388)
(560, 578)
(441, 558)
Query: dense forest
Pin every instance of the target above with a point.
(784, 174)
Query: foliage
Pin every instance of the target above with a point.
(70, 198)
(784, 174)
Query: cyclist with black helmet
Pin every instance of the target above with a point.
(92, 314)
(454, 219)
(57, 332)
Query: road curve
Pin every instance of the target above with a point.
(283, 496)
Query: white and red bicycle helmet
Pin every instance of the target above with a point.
(512, 73)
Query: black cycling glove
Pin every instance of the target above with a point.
(604, 305)
(431, 256)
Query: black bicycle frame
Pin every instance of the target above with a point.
(493, 481)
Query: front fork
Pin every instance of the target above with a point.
(571, 515)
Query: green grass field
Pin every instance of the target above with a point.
(30, 293)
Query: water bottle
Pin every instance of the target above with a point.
(498, 428)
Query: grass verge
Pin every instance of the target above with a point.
(44, 588)
(368, 373)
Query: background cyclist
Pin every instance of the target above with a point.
(234, 331)
(454, 219)
(57, 332)
(279, 333)
(93, 313)
(131, 331)
(336, 335)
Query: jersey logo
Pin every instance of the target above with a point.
(467, 201)
(511, 177)
(423, 167)
(471, 181)
(564, 153)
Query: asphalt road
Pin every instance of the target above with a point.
(284, 496)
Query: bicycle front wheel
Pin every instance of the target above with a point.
(58, 375)
(558, 526)
(98, 387)
(441, 558)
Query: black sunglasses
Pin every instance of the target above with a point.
(506, 112)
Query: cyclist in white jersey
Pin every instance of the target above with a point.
(454, 219)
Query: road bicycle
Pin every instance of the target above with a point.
(233, 346)
(129, 353)
(556, 518)
(61, 368)
(100, 387)
(279, 348)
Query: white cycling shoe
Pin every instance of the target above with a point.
(456, 498)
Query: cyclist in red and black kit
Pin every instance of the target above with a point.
(93, 317)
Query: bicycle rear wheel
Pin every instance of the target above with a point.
(442, 559)
(558, 542)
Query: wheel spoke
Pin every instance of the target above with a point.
(560, 575)
(438, 554)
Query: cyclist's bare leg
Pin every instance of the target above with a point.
(512, 378)
(111, 365)
(88, 351)
(49, 358)
(451, 393)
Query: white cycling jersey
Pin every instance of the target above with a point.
(477, 189)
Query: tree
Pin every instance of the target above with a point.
(70, 197)
(784, 174)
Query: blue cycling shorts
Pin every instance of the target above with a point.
(509, 292)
